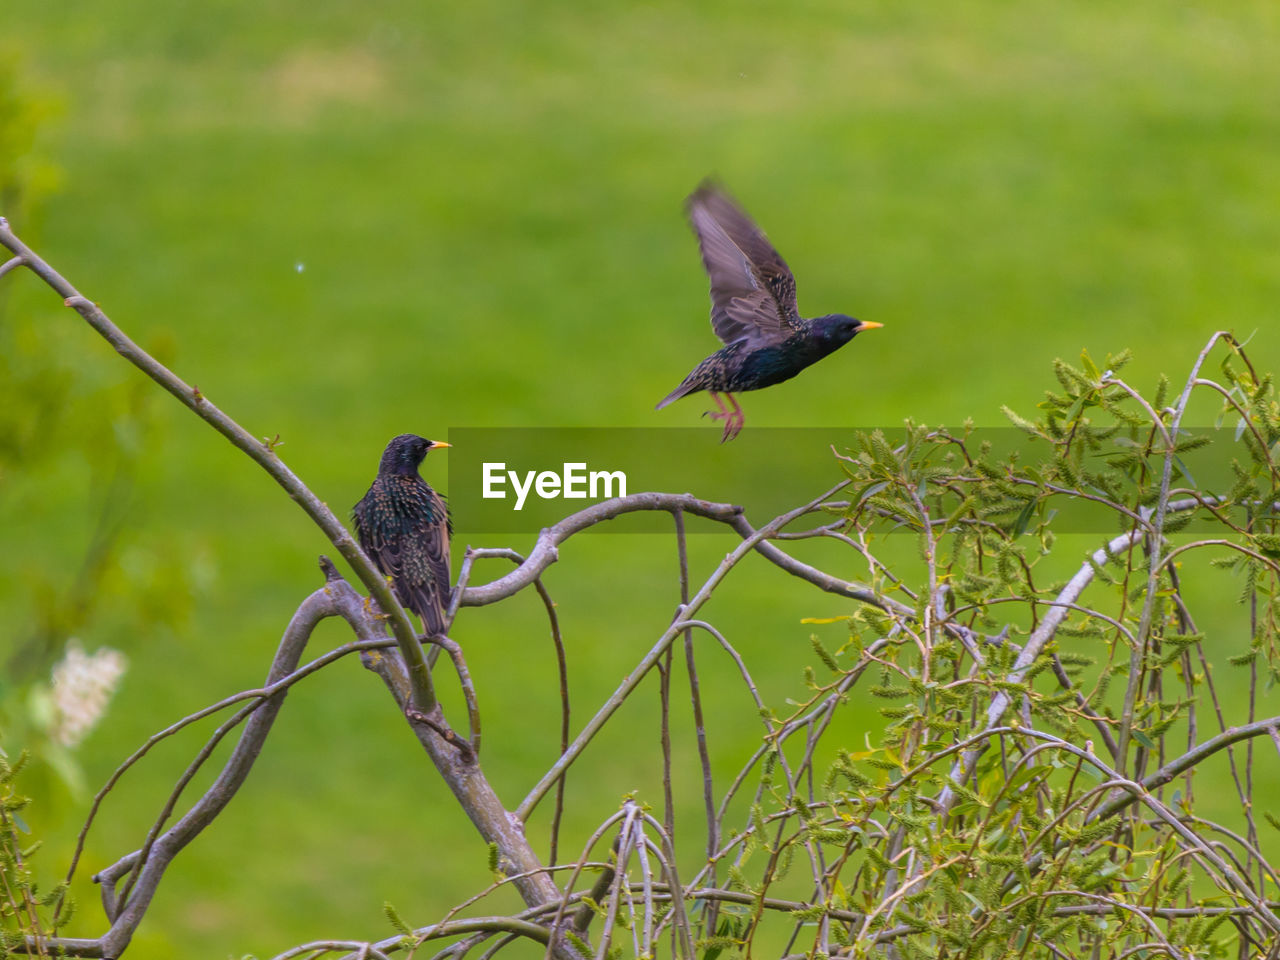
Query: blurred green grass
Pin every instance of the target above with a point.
(485, 204)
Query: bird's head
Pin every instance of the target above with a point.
(404, 454)
(837, 329)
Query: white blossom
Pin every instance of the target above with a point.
(82, 685)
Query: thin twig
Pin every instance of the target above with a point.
(619, 696)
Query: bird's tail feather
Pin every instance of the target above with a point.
(677, 393)
(433, 620)
(428, 607)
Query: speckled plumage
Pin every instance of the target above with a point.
(753, 310)
(403, 525)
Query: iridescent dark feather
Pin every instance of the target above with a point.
(753, 310)
(403, 526)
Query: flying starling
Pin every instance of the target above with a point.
(753, 310)
(403, 525)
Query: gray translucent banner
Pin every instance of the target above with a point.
(519, 480)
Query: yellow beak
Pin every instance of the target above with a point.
(437, 443)
(868, 325)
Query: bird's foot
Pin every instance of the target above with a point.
(733, 421)
(731, 415)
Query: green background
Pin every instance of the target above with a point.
(347, 221)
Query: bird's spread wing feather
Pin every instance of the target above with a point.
(753, 292)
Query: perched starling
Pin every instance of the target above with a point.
(404, 527)
(753, 310)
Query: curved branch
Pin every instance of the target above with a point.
(468, 688)
(1155, 560)
(675, 629)
(259, 694)
(1196, 755)
(523, 928)
(545, 550)
(1042, 634)
(312, 610)
(1131, 792)
(462, 775)
(562, 663)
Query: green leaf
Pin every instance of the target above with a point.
(1090, 370)
(1024, 518)
(393, 918)
(494, 870)
(870, 490)
(1021, 422)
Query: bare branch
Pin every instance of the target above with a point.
(545, 551)
(468, 688)
(153, 865)
(963, 768)
(463, 775)
(260, 694)
(1155, 544)
(637, 674)
(523, 928)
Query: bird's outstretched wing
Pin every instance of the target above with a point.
(407, 538)
(753, 292)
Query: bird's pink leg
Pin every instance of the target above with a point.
(734, 420)
(723, 414)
